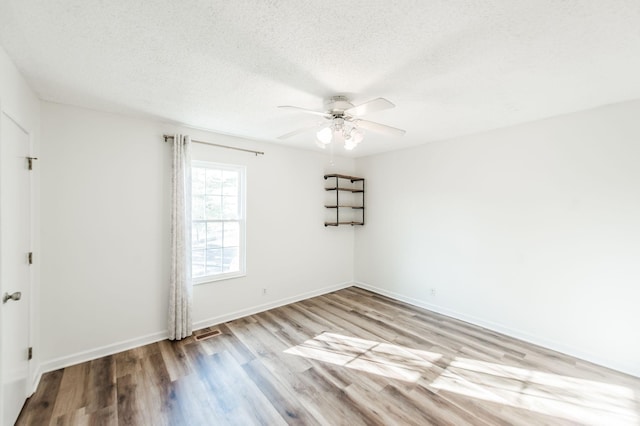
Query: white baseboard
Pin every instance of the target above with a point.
(91, 354)
(508, 331)
(271, 305)
(35, 378)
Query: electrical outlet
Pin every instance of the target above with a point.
(433, 292)
(264, 291)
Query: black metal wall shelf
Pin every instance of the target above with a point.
(355, 186)
(344, 189)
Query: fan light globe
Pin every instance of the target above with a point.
(349, 145)
(356, 136)
(324, 135)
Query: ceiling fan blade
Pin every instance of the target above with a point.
(297, 132)
(378, 104)
(380, 128)
(308, 111)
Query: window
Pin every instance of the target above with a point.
(218, 221)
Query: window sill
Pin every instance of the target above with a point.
(219, 277)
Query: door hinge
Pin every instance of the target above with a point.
(30, 258)
(30, 159)
(30, 356)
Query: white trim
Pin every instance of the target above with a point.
(34, 326)
(91, 354)
(35, 379)
(218, 277)
(633, 370)
(124, 345)
(271, 305)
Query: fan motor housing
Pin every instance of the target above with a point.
(336, 105)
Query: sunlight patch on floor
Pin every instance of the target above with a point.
(383, 359)
(584, 401)
(571, 398)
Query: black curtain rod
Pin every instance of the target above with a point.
(167, 137)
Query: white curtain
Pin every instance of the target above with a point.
(180, 294)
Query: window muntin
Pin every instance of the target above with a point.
(218, 221)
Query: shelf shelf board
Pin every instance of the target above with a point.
(345, 206)
(344, 189)
(342, 223)
(339, 176)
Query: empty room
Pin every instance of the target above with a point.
(320, 213)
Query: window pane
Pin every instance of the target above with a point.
(230, 184)
(197, 181)
(198, 235)
(213, 207)
(230, 208)
(197, 263)
(214, 181)
(214, 235)
(218, 227)
(231, 261)
(197, 207)
(214, 261)
(231, 234)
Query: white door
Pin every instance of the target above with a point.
(15, 242)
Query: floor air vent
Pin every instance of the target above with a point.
(208, 334)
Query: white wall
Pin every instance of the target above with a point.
(105, 238)
(18, 100)
(531, 230)
(20, 103)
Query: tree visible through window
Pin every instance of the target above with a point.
(218, 223)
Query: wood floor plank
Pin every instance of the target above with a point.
(219, 403)
(268, 347)
(154, 388)
(175, 359)
(72, 391)
(72, 418)
(192, 402)
(342, 377)
(104, 416)
(351, 325)
(442, 410)
(229, 342)
(380, 410)
(127, 363)
(350, 357)
(406, 411)
(338, 402)
(128, 406)
(246, 393)
(39, 408)
(101, 388)
(283, 398)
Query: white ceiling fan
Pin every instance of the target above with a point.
(344, 123)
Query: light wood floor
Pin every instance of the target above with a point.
(347, 358)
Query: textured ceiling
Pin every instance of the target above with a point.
(451, 67)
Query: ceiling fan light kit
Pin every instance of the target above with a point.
(345, 127)
(340, 131)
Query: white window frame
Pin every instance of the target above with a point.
(242, 197)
